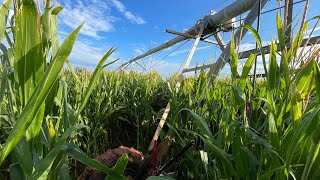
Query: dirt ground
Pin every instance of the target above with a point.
(109, 158)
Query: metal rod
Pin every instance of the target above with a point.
(265, 49)
(225, 56)
(220, 41)
(255, 63)
(179, 33)
(175, 158)
(264, 12)
(191, 37)
(213, 21)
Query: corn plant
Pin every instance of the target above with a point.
(282, 139)
(38, 124)
(124, 113)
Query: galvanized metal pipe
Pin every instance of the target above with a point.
(225, 55)
(213, 21)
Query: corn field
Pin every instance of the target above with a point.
(55, 120)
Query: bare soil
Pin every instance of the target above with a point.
(109, 158)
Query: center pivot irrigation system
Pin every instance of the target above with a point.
(211, 25)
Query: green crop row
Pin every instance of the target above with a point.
(39, 128)
(50, 118)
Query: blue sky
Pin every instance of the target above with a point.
(136, 26)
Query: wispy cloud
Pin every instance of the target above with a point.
(96, 14)
(85, 54)
(129, 15)
(315, 29)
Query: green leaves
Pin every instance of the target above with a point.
(208, 139)
(56, 10)
(246, 70)
(94, 78)
(29, 62)
(219, 154)
(274, 73)
(120, 167)
(4, 12)
(233, 60)
(51, 156)
(77, 154)
(39, 94)
(304, 78)
(317, 79)
(201, 123)
(259, 43)
(280, 31)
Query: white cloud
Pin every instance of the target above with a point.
(315, 29)
(250, 46)
(139, 51)
(84, 54)
(95, 14)
(129, 15)
(247, 46)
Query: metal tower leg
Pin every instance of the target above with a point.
(220, 41)
(224, 57)
(185, 66)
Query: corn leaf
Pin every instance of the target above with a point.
(274, 73)
(233, 60)
(305, 129)
(45, 164)
(39, 95)
(4, 12)
(3, 83)
(259, 43)
(16, 172)
(94, 78)
(23, 154)
(29, 62)
(304, 78)
(53, 34)
(317, 79)
(246, 70)
(77, 154)
(219, 154)
(280, 31)
(201, 123)
(120, 166)
(56, 10)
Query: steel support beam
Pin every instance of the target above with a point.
(265, 49)
(220, 41)
(190, 37)
(224, 57)
(213, 21)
